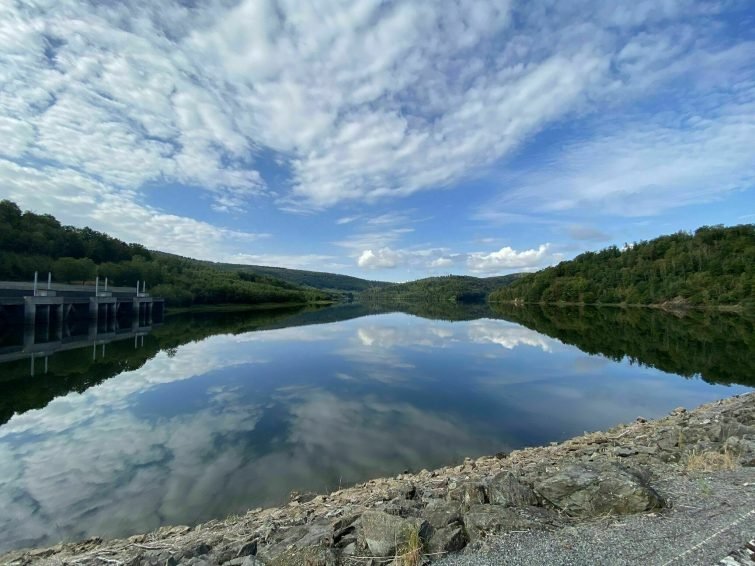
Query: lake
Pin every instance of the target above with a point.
(212, 414)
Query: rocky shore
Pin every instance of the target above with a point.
(412, 519)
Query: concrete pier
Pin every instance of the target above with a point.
(26, 303)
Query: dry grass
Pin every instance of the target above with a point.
(711, 461)
(410, 553)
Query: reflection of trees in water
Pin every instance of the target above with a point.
(75, 370)
(720, 347)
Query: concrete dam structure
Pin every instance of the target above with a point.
(34, 303)
(37, 320)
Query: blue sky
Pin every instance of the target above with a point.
(387, 140)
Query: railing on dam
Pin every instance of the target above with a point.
(51, 304)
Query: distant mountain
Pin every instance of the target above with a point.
(713, 266)
(458, 288)
(315, 279)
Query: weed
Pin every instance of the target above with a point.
(410, 553)
(711, 461)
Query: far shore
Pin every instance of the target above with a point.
(669, 306)
(232, 307)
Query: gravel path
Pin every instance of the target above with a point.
(712, 515)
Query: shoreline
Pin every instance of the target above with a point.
(410, 518)
(668, 306)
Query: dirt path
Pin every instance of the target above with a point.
(712, 515)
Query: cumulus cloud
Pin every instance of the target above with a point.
(502, 260)
(508, 258)
(359, 101)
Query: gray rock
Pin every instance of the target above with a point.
(483, 520)
(446, 539)
(505, 489)
(468, 494)
(441, 513)
(247, 549)
(310, 556)
(590, 490)
(383, 533)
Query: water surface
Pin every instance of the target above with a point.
(213, 414)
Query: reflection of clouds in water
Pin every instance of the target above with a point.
(108, 462)
(590, 364)
(87, 462)
(508, 335)
(416, 334)
(314, 333)
(191, 359)
(126, 475)
(354, 439)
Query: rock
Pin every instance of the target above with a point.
(446, 539)
(468, 493)
(441, 513)
(483, 520)
(505, 489)
(402, 507)
(590, 490)
(501, 455)
(305, 497)
(311, 556)
(384, 534)
(247, 549)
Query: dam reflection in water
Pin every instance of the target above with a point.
(212, 415)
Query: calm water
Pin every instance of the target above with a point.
(211, 415)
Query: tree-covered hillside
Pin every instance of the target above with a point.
(460, 288)
(713, 266)
(315, 279)
(32, 242)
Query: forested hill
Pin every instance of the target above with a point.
(315, 279)
(713, 266)
(460, 288)
(34, 242)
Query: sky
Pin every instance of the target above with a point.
(386, 140)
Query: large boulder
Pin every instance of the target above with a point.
(483, 520)
(468, 494)
(384, 534)
(505, 489)
(446, 539)
(585, 490)
(441, 513)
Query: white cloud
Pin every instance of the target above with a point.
(316, 262)
(503, 260)
(78, 199)
(645, 169)
(362, 100)
(508, 258)
(382, 258)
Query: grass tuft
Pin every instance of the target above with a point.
(410, 553)
(710, 461)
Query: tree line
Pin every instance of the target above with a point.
(445, 288)
(32, 242)
(715, 265)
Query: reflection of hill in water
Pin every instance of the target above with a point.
(719, 347)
